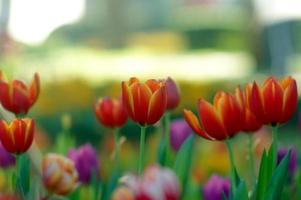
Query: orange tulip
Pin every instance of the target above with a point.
(110, 112)
(249, 122)
(145, 103)
(173, 94)
(17, 136)
(275, 102)
(59, 174)
(219, 121)
(16, 97)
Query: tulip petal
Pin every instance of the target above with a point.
(290, 101)
(153, 84)
(251, 123)
(18, 128)
(127, 98)
(105, 111)
(141, 95)
(20, 98)
(256, 104)
(273, 100)
(157, 105)
(29, 133)
(34, 89)
(119, 114)
(5, 96)
(211, 121)
(173, 94)
(194, 123)
(7, 139)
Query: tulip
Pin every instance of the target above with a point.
(220, 121)
(17, 136)
(179, 132)
(292, 166)
(145, 103)
(59, 174)
(249, 122)
(216, 187)
(156, 183)
(18, 98)
(173, 94)
(6, 159)
(110, 112)
(275, 102)
(86, 163)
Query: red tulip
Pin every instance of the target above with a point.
(16, 97)
(145, 103)
(219, 121)
(275, 102)
(249, 122)
(17, 136)
(173, 94)
(110, 112)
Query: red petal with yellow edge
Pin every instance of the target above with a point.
(6, 137)
(20, 98)
(211, 121)
(29, 133)
(139, 114)
(256, 104)
(34, 89)
(153, 84)
(290, 101)
(18, 128)
(133, 80)
(127, 99)
(239, 95)
(141, 110)
(231, 114)
(157, 105)
(194, 123)
(273, 100)
(247, 95)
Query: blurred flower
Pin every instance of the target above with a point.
(16, 97)
(173, 94)
(179, 132)
(17, 136)
(250, 122)
(59, 174)
(6, 159)
(110, 112)
(123, 193)
(157, 183)
(275, 102)
(144, 102)
(86, 163)
(219, 121)
(292, 166)
(215, 187)
(8, 197)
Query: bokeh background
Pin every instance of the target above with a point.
(83, 49)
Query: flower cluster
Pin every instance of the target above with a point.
(272, 104)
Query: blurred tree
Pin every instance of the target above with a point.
(4, 17)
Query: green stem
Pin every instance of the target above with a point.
(167, 137)
(117, 146)
(275, 145)
(232, 166)
(142, 146)
(251, 157)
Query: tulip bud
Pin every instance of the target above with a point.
(292, 166)
(86, 163)
(17, 97)
(173, 94)
(59, 174)
(17, 136)
(179, 132)
(215, 187)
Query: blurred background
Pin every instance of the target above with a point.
(83, 49)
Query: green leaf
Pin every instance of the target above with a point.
(241, 192)
(23, 177)
(112, 183)
(161, 152)
(183, 161)
(263, 177)
(75, 195)
(279, 179)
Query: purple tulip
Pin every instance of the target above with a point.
(6, 159)
(215, 187)
(86, 163)
(179, 132)
(292, 166)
